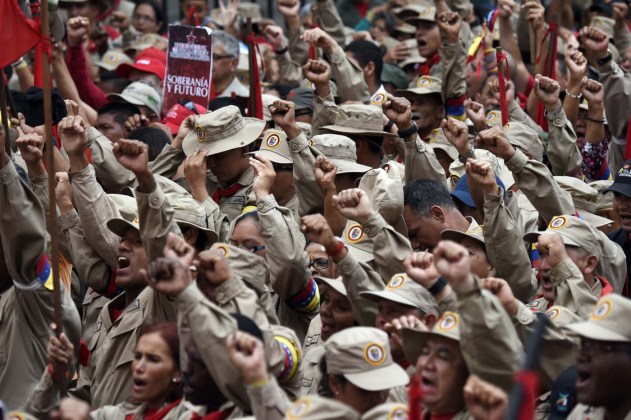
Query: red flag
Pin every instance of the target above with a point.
(549, 69)
(256, 108)
(415, 397)
(530, 385)
(18, 34)
(501, 58)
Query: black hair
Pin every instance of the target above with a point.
(365, 52)
(323, 389)
(155, 138)
(223, 101)
(121, 111)
(422, 194)
(254, 215)
(157, 10)
(388, 19)
(247, 325)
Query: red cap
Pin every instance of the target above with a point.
(178, 113)
(150, 60)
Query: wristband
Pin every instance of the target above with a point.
(259, 384)
(469, 154)
(388, 126)
(552, 115)
(339, 247)
(281, 51)
(437, 287)
(605, 59)
(596, 120)
(410, 131)
(579, 96)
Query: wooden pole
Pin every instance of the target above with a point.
(252, 65)
(532, 34)
(5, 117)
(50, 163)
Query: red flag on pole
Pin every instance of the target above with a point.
(415, 398)
(502, 64)
(18, 34)
(255, 108)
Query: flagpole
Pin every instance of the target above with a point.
(50, 164)
(252, 63)
(3, 112)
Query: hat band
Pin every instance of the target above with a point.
(589, 206)
(216, 134)
(368, 125)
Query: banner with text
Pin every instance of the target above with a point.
(189, 66)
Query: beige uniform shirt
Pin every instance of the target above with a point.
(563, 153)
(349, 77)
(112, 174)
(583, 412)
(421, 162)
(26, 308)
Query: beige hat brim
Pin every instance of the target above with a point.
(345, 166)
(457, 236)
(417, 91)
(120, 96)
(452, 152)
(415, 19)
(337, 285)
(594, 219)
(252, 130)
(387, 295)
(211, 235)
(351, 130)
(381, 379)
(414, 341)
(121, 226)
(534, 237)
(592, 331)
(272, 156)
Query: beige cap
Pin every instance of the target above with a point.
(402, 289)
(306, 128)
(189, 212)
(457, 168)
(268, 100)
(574, 231)
(405, 28)
(412, 9)
(585, 200)
(362, 355)
(474, 232)
(605, 24)
(414, 58)
(608, 321)
(275, 147)
(448, 326)
(437, 140)
(524, 137)
(605, 198)
(128, 209)
(112, 58)
(358, 243)
(147, 41)
(314, 407)
(339, 150)
(387, 411)
(385, 192)
(139, 93)
(493, 118)
(222, 130)
(249, 10)
(562, 315)
(424, 13)
(335, 284)
(359, 119)
(424, 85)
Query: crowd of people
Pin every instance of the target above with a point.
(430, 182)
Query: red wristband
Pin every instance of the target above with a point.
(338, 248)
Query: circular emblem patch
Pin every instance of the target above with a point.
(424, 82)
(506, 127)
(378, 99)
(454, 180)
(299, 409)
(553, 313)
(449, 321)
(272, 141)
(310, 142)
(474, 229)
(136, 221)
(399, 412)
(374, 354)
(201, 134)
(558, 222)
(491, 116)
(355, 234)
(602, 310)
(223, 249)
(396, 281)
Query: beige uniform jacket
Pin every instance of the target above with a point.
(290, 68)
(421, 162)
(517, 114)
(349, 77)
(313, 350)
(390, 247)
(288, 261)
(584, 412)
(156, 221)
(452, 70)
(213, 325)
(617, 86)
(505, 248)
(269, 402)
(307, 188)
(357, 278)
(535, 181)
(112, 174)
(570, 291)
(26, 308)
(325, 112)
(233, 206)
(563, 153)
(488, 340)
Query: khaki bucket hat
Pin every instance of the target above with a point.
(574, 231)
(437, 140)
(359, 119)
(402, 289)
(275, 147)
(314, 407)
(385, 193)
(362, 355)
(474, 232)
(128, 209)
(424, 85)
(189, 212)
(585, 200)
(340, 151)
(605, 196)
(608, 321)
(524, 137)
(424, 14)
(357, 241)
(448, 326)
(222, 130)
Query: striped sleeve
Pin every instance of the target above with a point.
(306, 300)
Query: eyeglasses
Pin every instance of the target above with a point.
(188, 104)
(250, 248)
(319, 264)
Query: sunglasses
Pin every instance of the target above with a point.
(188, 104)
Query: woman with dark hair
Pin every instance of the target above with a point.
(157, 377)
(148, 17)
